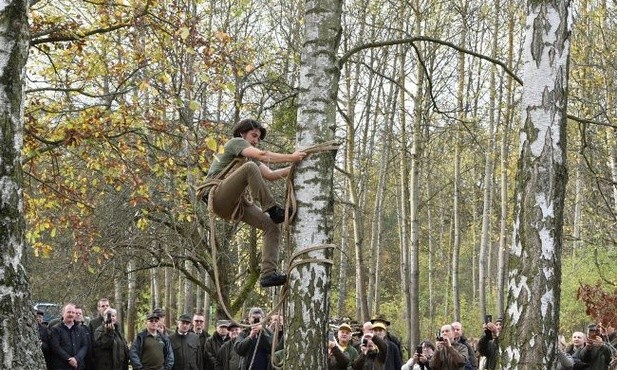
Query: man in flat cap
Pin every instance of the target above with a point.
(185, 345)
(214, 343)
(227, 356)
(151, 349)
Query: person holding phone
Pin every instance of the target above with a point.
(373, 353)
(596, 353)
(488, 345)
(449, 354)
(255, 343)
(421, 357)
(109, 347)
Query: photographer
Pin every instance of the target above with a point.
(596, 352)
(373, 353)
(255, 343)
(449, 355)
(421, 358)
(488, 345)
(110, 349)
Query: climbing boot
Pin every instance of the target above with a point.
(277, 214)
(273, 279)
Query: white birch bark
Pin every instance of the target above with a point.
(18, 329)
(308, 304)
(532, 318)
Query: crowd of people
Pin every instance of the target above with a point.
(69, 343)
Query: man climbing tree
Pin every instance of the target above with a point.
(18, 337)
(242, 165)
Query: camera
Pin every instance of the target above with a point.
(419, 350)
(438, 336)
(592, 331)
(108, 318)
(256, 320)
(488, 318)
(331, 336)
(365, 342)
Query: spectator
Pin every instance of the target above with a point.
(68, 342)
(162, 327)
(227, 357)
(214, 343)
(564, 360)
(373, 353)
(421, 357)
(228, 194)
(596, 353)
(578, 342)
(101, 307)
(203, 361)
(337, 359)
(43, 337)
(344, 342)
(488, 345)
(109, 347)
(276, 327)
(471, 363)
(79, 317)
(449, 355)
(255, 343)
(367, 328)
(393, 360)
(151, 349)
(389, 336)
(185, 345)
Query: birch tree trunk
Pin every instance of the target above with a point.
(417, 150)
(309, 283)
(532, 320)
(484, 260)
(18, 330)
(456, 247)
(131, 299)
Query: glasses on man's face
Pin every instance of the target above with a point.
(198, 320)
(153, 320)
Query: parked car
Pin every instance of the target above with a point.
(50, 310)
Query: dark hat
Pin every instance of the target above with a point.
(159, 312)
(232, 325)
(224, 323)
(152, 315)
(185, 318)
(40, 313)
(499, 319)
(380, 318)
(246, 125)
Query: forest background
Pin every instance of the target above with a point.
(128, 101)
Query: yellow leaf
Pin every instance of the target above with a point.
(194, 106)
(184, 33)
(211, 144)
